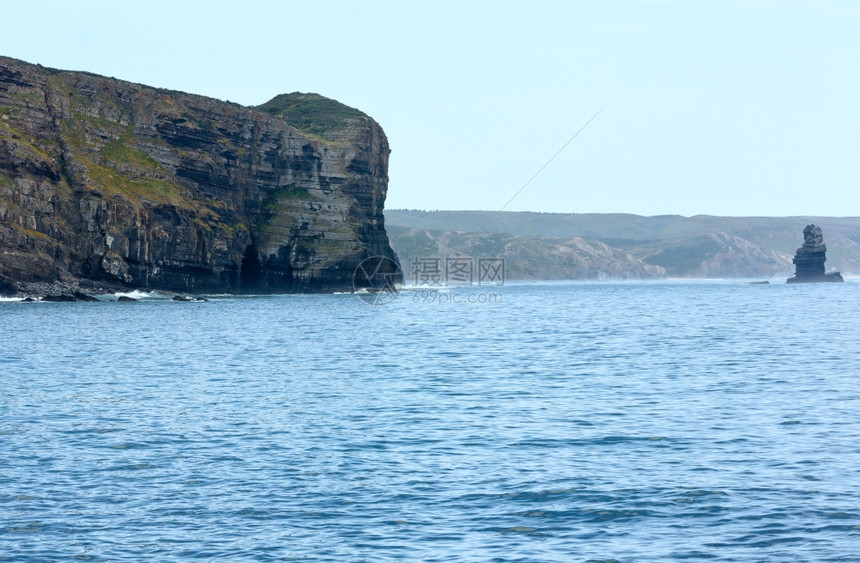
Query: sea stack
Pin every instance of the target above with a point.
(809, 259)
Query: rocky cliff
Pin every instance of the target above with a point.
(105, 183)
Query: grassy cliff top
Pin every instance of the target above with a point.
(315, 115)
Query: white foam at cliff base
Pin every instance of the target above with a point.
(10, 299)
(431, 288)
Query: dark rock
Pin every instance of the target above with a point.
(58, 291)
(187, 298)
(7, 288)
(63, 298)
(126, 299)
(119, 184)
(809, 259)
(29, 300)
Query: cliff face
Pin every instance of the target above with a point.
(108, 182)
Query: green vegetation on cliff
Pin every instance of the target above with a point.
(314, 114)
(137, 190)
(120, 151)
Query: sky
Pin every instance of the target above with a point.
(730, 107)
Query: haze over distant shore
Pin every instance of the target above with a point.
(567, 245)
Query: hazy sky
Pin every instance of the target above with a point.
(718, 107)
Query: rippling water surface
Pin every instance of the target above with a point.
(561, 422)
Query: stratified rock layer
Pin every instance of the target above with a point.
(809, 259)
(108, 182)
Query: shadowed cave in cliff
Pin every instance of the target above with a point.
(250, 272)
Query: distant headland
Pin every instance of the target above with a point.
(621, 245)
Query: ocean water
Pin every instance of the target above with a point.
(650, 421)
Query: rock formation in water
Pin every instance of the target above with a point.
(809, 259)
(106, 184)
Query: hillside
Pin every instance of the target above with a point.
(527, 257)
(699, 246)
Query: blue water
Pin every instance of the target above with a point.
(556, 422)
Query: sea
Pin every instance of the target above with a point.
(708, 420)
